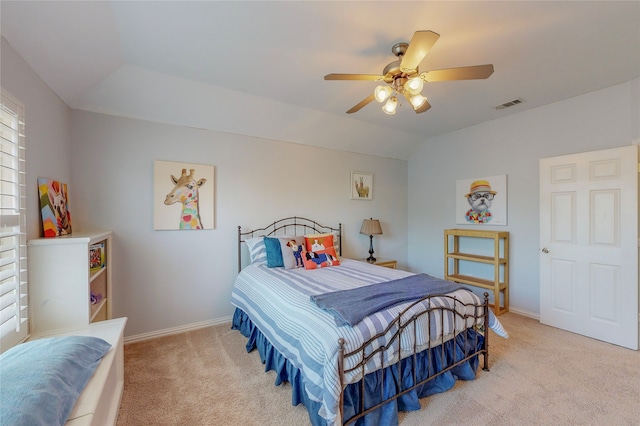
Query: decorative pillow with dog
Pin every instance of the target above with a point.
(320, 258)
(318, 242)
(292, 249)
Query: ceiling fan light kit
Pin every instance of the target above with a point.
(402, 77)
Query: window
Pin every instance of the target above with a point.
(13, 241)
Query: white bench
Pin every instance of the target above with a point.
(99, 402)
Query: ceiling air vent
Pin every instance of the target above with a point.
(510, 103)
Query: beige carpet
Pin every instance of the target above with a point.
(539, 376)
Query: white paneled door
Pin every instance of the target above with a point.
(589, 244)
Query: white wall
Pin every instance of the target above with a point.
(166, 279)
(47, 127)
(513, 146)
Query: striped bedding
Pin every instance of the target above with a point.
(278, 302)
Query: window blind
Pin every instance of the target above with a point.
(13, 242)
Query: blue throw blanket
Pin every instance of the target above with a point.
(349, 307)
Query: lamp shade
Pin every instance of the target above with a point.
(414, 85)
(390, 106)
(417, 101)
(371, 227)
(382, 93)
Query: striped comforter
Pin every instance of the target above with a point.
(278, 303)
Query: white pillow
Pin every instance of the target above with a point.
(257, 250)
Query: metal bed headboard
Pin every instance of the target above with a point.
(294, 225)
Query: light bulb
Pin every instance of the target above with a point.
(414, 85)
(381, 93)
(417, 101)
(390, 106)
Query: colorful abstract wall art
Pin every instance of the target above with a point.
(183, 196)
(54, 207)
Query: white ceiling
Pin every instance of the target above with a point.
(257, 67)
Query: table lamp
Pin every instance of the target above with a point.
(371, 227)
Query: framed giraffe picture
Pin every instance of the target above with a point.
(183, 196)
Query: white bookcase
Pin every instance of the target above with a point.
(61, 281)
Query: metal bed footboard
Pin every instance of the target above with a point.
(481, 311)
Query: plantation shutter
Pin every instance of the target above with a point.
(13, 242)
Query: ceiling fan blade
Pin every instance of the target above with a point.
(463, 73)
(362, 103)
(421, 43)
(424, 106)
(353, 77)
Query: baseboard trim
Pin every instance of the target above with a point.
(209, 323)
(520, 312)
(176, 330)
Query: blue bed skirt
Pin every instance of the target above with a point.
(427, 365)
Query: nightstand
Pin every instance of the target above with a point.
(387, 263)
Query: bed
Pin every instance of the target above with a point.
(377, 362)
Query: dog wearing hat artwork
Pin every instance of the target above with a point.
(480, 197)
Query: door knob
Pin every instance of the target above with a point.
(545, 250)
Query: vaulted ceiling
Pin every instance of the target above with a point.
(257, 67)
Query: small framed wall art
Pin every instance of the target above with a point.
(361, 186)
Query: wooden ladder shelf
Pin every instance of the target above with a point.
(499, 258)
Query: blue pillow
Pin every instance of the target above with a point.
(274, 253)
(42, 379)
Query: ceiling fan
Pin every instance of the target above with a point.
(403, 77)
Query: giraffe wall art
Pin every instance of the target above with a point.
(183, 196)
